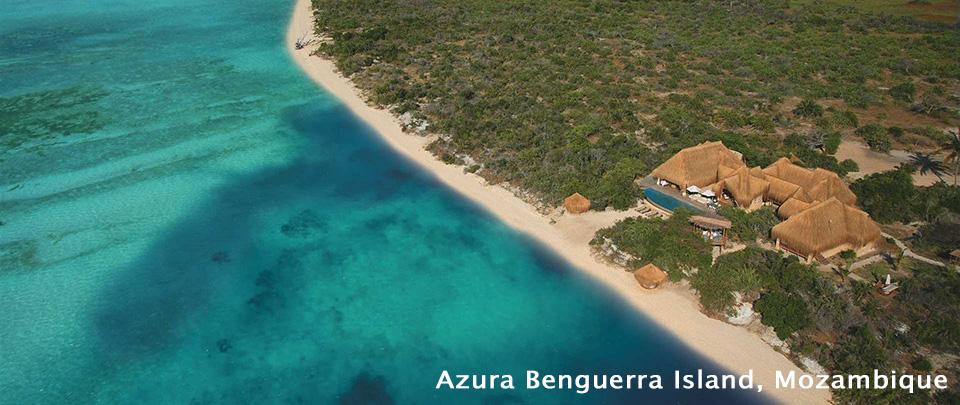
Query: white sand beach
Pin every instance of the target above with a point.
(674, 308)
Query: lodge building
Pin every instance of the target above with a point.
(819, 211)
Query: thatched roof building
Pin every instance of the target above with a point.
(826, 229)
(817, 205)
(710, 223)
(793, 206)
(576, 204)
(650, 276)
(711, 166)
(745, 186)
(697, 165)
(818, 184)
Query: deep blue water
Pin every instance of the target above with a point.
(189, 220)
(666, 201)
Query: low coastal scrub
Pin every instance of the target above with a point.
(750, 226)
(891, 196)
(845, 325)
(563, 96)
(876, 137)
(785, 313)
(672, 244)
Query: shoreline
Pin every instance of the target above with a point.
(675, 309)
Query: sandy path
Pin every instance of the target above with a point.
(874, 162)
(674, 309)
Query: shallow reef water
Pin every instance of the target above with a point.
(187, 219)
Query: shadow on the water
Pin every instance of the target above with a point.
(149, 309)
(143, 310)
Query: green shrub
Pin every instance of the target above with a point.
(749, 226)
(848, 166)
(731, 118)
(848, 254)
(903, 91)
(762, 122)
(795, 140)
(832, 142)
(740, 271)
(714, 288)
(896, 131)
(785, 313)
(876, 137)
(808, 109)
(887, 196)
(845, 118)
(921, 364)
(672, 244)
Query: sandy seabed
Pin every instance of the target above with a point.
(675, 309)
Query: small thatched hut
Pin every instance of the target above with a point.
(650, 276)
(715, 230)
(955, 256)
(576, 204)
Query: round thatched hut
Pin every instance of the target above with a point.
(576, 204)
(650, 276)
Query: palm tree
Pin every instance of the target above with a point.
(952, 149)
(926, 163)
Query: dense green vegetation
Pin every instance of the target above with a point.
(849, 329)
(931, 10)
(584, 96)
(564, 96)
(673, 245)
(891, 197)
(749, 226)
(887, 196)
(785, 313)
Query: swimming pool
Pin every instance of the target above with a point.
(666, 201)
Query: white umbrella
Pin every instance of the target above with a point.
(708, 193)
(693, 189)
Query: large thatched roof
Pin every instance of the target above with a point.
(825, 226)
(791, 207)
(576, 204)
(697, 165)
(780, 191)
(650, 276)
(817, 205)
(744, 186)
(818, 184)
(710, 165)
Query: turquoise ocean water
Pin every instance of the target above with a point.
(187, 219)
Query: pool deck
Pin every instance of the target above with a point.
(651, 182)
